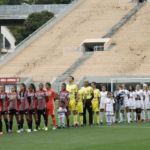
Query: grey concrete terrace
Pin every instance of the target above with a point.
(22, 11)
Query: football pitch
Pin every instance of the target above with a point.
(133, 136)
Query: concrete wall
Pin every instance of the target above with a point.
(28, 9)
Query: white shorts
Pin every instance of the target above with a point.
(127, 103)
(132, 107)
(102, 106)
(109, 112)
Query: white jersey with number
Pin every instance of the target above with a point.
(109, 104)
(103, 96)
(132, 96)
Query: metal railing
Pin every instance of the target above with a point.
(31, 35)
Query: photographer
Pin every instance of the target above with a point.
(120, 104)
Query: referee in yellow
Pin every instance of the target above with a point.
(88, 91)
(96, 102)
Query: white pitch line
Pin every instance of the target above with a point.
(121, 127)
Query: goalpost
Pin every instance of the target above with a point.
(127, 80)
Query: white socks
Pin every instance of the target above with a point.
(148, 112)
(107, 118)
(110, 119)
(128, 115)
(134, 116)
(113, 117)
(120, 116)
(101, 114)
(143, 114)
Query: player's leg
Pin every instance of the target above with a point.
(21, 120)
(36, 121)
(101, 114)
(6, 122)
(59, 123)
(30, 123)
(67, 116)
(148, 113)
(52, 112)
(89, 107)
(97, 113)
(18, 123)
(134, 112)
(1, 125)
(84, 115)
(107, 118)
(10, 121)
(45, 118)
(121, 118)
(63, 122)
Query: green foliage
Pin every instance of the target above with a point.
(53, 1)
(32, 23)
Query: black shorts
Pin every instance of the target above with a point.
(41, 112)
(138, 110)
(33, 111)
(4, 112)
(13, 112)
(24, 112)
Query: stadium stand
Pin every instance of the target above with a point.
(91, 19)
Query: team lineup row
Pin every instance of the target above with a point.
(34, 103)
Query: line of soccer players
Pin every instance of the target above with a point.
(72, 99)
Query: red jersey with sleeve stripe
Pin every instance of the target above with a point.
(41, 97)
(24, 100)
(4, 97)
(32, 99)
(50, 104)
(14, 104)
(64, 96)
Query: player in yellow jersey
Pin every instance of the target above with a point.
(72, 89)
(88, 91)
(96, 102)
(80, 103)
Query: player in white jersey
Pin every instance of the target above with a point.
(126, 101)
(142, 97)
(109, 108)
(132, 104)
(138, 107)
(103, 94)
(147, 100)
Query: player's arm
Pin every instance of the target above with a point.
(105, 107)
(58, 102)
(77, 97)
(99, 101)
(84, 100)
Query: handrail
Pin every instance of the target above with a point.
(31, 35)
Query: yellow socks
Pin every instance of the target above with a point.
(75, 118)
(98, 119)
(81, 120)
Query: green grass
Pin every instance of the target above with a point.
(134, 136)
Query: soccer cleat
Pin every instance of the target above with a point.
(82, 125)
(35, 130)
(110, 123)
(1, 133)
(124, 122)
(63, 127)
(46, 129)
(6, 132)
(101, 122)
(29, 130)
(54, 128)
(91, 124)
(107, 123)
(77, 124)
(19, 131)
(43, 128)
(148, 119)
(120, 121)
(26, 129)
(10, 131)
(134, 120)
(97, 124)
(116, 122)
(142, 119)
(139, 120)
(39, 128)
(23, 130)
(58, 127)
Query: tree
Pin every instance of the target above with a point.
(32, 23)
(52, 1)
(14, 2)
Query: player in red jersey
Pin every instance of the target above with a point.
(14, 102)
(24, 107)
(42, 98)
(4, 97)
(51, 103)
(33, 106)
(64, 96)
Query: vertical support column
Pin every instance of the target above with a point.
(3, 41)
(0, 41)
